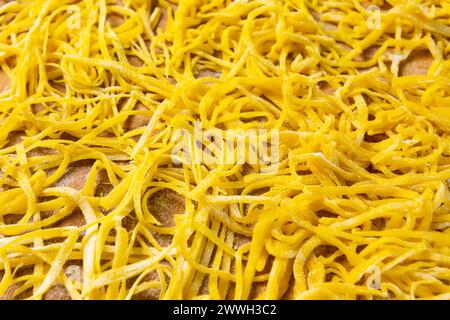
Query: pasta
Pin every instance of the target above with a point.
(358, 208)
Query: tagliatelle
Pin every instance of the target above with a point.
(357, 206)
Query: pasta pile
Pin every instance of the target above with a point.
(359, 207)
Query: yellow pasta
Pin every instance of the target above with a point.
(358, 206)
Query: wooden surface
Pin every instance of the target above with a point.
(165, 203)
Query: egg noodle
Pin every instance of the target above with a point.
(359, 207)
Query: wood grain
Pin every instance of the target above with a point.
(5, 83)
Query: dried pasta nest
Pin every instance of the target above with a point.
(93, 205)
